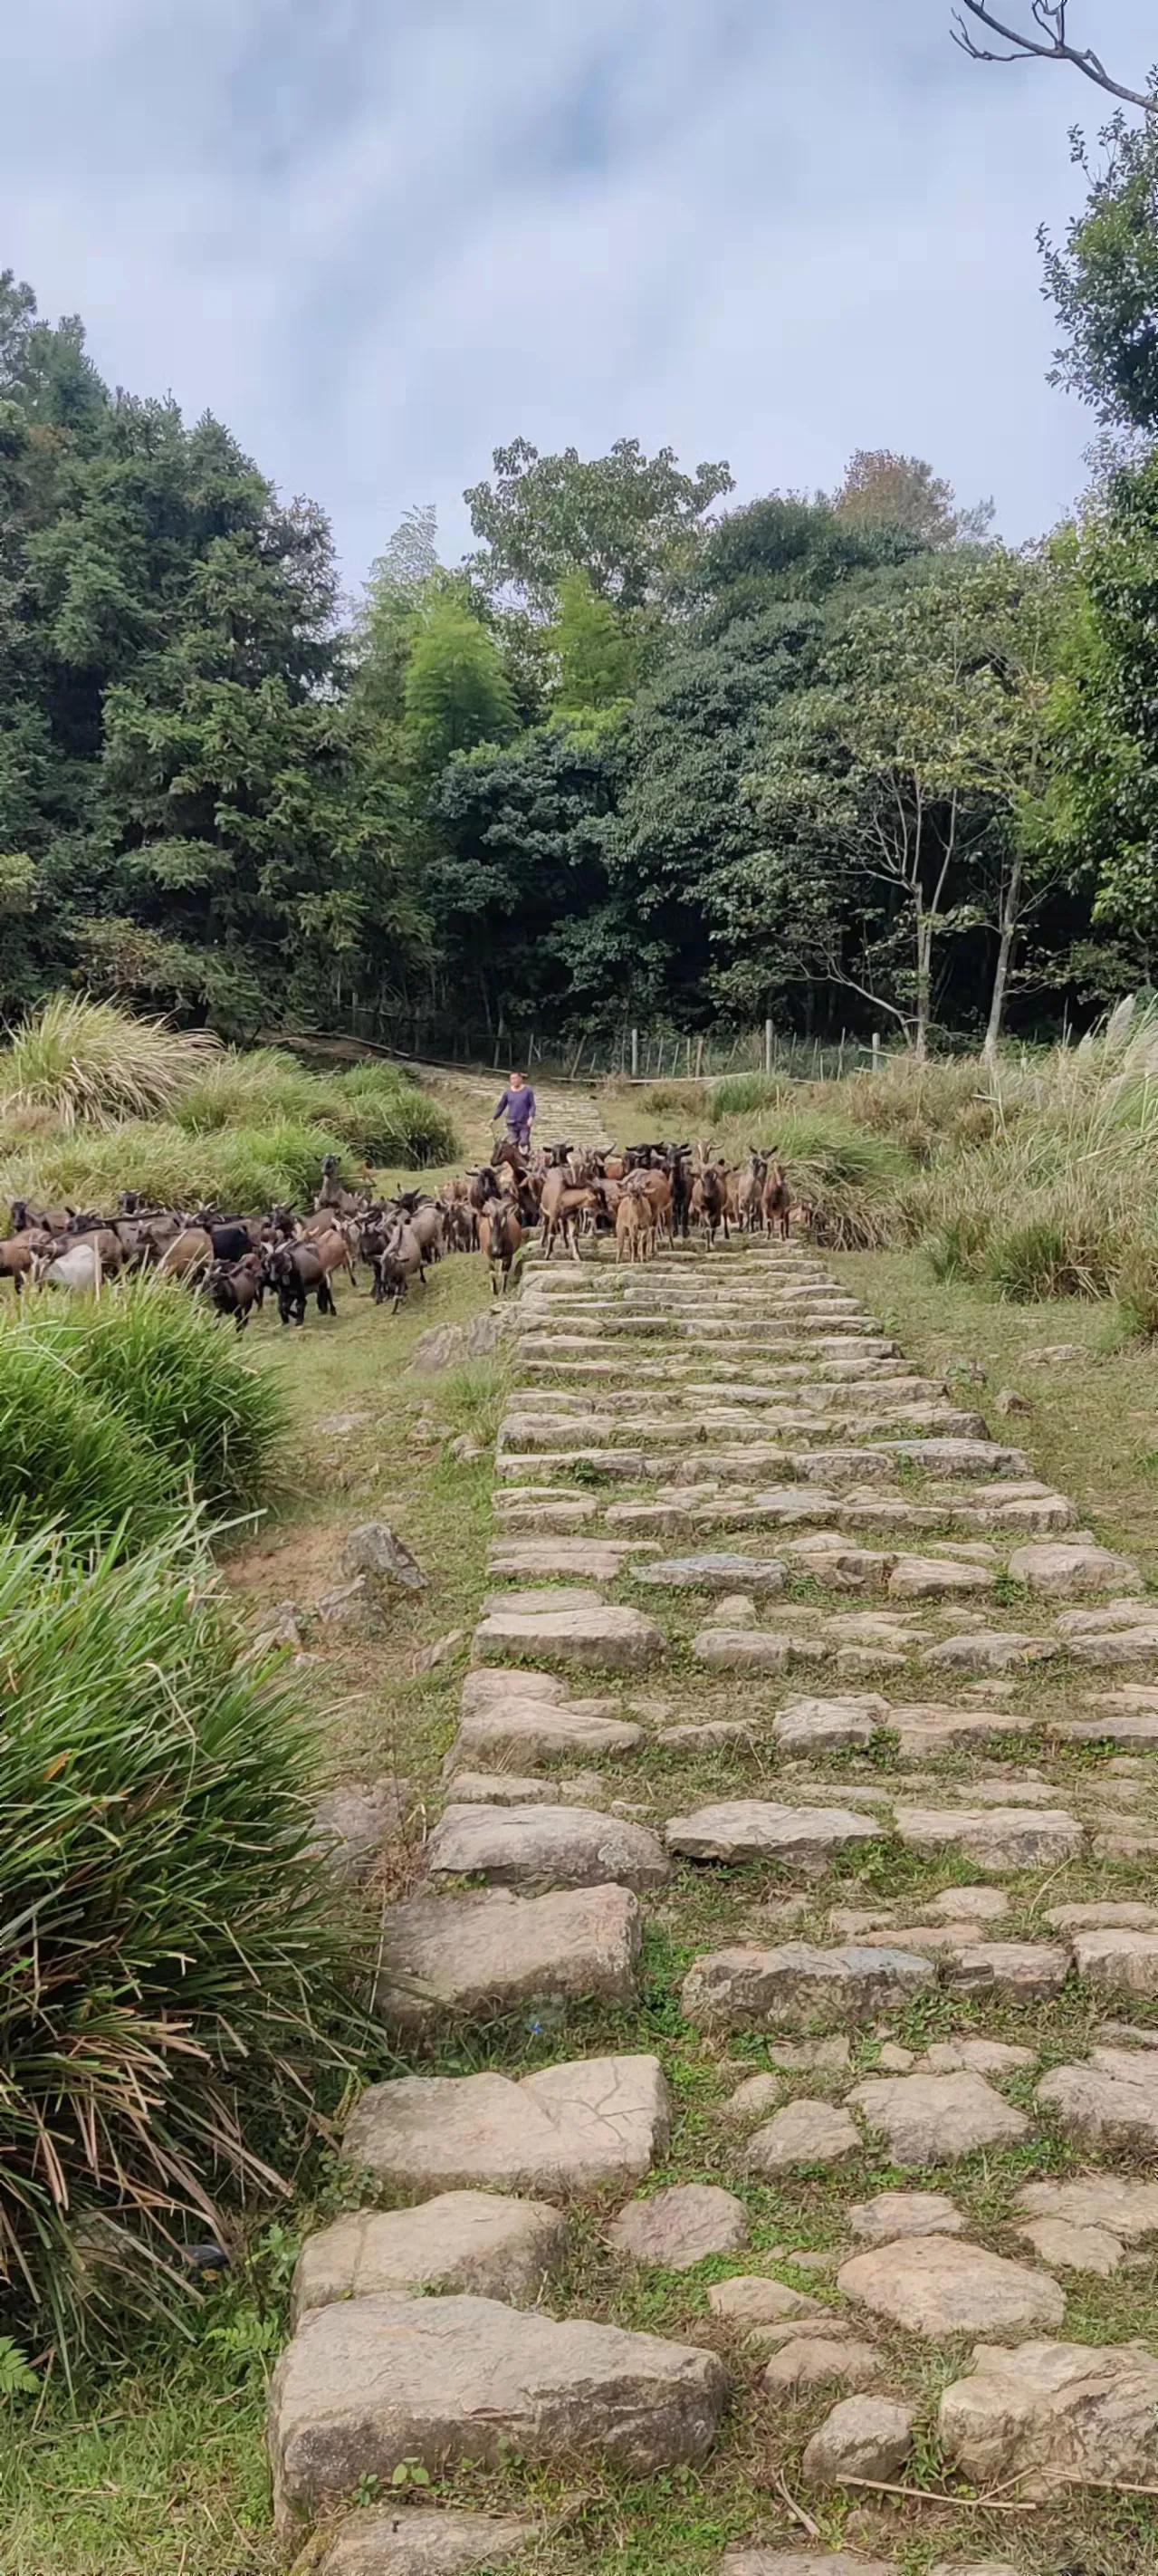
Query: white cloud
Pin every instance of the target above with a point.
(380, 238)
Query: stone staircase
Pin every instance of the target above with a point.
(871, 1763)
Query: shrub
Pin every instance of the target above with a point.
(1136, 1290)
(390, 1118)
(89, 1062)
(242, 1169)
(746, 1095)
(248, 1090)
(1034, 1260)
(66, 1454)
(169, 1948)
(180, 1380)
(956, 1250)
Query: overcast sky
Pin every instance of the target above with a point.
(378, 237)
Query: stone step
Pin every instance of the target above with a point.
(794, 1985)
(1053, 2415)
(802, 1838)
(393, 2540)
(1001, 1839)
(529, 1716)
(591, 1635)
(480, 1954)
(370, 2384)
(544, 1847)
(479, 2241)
(577, 2127)
(938, 2287)
(598, 1559)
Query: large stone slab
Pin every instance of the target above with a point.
(1052, 2415)
(541, 1846)
(591, 1636)
(715, 1572)
(481, 2241)
(1063, 1569)
(940, 2286)
(574, 2127)
(373, 2382)
(808, 1725)
(802, 2133)
(1118, 1962)
(802, 2562)
(935, 1578)
(931, 2119)
(386, 2540)
(802, 1838)
(518, 1716)
(990, 1650)
(905, 2213)
(863, 2437)
(757, 1990)
(925, 1729)
(1123, 2204)
(443, 1957)
(680, 2227)
(1111, 2101)
(600, 1559)
(997, 1838)
(1025, 1971)
(757, 1650)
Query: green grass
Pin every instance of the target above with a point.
(169, 1948)
(127, 1409)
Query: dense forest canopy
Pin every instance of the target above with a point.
(644, 755)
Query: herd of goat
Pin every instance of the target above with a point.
(642, 1195)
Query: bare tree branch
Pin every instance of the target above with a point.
(1050, 45)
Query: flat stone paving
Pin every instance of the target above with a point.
(884, 1786)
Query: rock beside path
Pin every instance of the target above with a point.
(1109, 2101)
(1054, 2414)
(372, 2382)
(1060, 1569)
(941, 2286)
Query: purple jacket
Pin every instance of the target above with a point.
(517, 1107)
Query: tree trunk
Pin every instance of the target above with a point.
(924, 985)
(1010, 908)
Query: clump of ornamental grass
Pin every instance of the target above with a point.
(90, 1063)
(172, 1966)
(67, 1455)
(183, 1384)
(241, 1170)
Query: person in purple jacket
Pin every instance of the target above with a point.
(518, 1107)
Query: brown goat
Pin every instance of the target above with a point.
(500, 1235)
(777, 1203)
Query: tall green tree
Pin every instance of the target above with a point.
(595, 654)
(1104, 282)
(456, 689)
(627, 520)
(883, 489)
